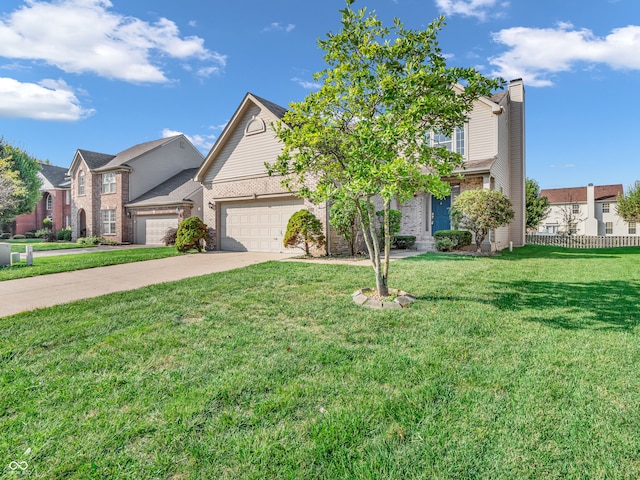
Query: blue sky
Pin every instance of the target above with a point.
(104, 75)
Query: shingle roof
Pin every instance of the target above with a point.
(474, 166)
(55, 175)
(579, 194)
(130, 153)
(497, 97)
(175, 190)
(277, 110)
(94, 159)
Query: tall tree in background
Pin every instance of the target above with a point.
(628, 206)
(11, 187)
(364, 133)
(537, 206)
(20, 170)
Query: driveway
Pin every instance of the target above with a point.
(47, 290)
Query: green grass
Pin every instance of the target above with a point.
(80, 261)
(40, 246)
(519, 366)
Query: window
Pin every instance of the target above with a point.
(632, 228)
(108, 183)
(67, 197)
(81, 183)
(575, 208)
(108, 222)
(452, 144)
(605, 208)
(49, 202)
(608, 228)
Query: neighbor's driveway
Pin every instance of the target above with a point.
(46, 290)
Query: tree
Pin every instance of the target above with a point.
(11, 187)
(303, 230)
(480, 211)
(628, 206)
(363, 135)
(537, 206)
(570, 217)
(192, 233)
(23, 169)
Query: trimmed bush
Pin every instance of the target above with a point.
(192, 233)
(304, 230)
(5, 236)
(460, 238)
(445, 244)
(404, 241)
(169, 237)
(29, 235)
(93, 241)
(64, 234)
(18, 237)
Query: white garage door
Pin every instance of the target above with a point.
(150, 229)
(256, 226)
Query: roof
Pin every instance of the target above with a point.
(54, 175)
(277, 110)
(94, 159)
(476, 166)
(497, 97)
(178, 189)
(579, 194)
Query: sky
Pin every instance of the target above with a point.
(104, 75)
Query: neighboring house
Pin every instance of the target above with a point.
(134, 196)
(55, 203)
(589, 210)
(250, 210)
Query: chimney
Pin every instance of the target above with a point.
(591, 223)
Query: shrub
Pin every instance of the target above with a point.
(395, 216)
(405, 241)
(29, 235)
(169, 238)
(64, 234)
(303, 230)
(343, 218)
(5, 236)
(460, 238)
(41, 233)
(50, 236)
(47, 223)
(92, 241)
(192, 233)
(18, 237)
(445, 244)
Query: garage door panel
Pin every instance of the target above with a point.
(150, 229)
(262, 224)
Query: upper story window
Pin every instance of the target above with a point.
(575, 208)
(49, 202)
(109, 182)
(605, 208)
(453, 144)
(81, 183)
(67, 197)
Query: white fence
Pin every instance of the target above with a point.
(584, 241)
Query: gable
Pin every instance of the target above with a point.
(248, 146)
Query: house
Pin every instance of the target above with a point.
(55, 203)
(589, 210)
(135, 195)
(250, 210)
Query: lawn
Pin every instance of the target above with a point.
(80, 261)
(40, 246)
(518, 366)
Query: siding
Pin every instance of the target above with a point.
(481, 143)
(501, 172)
(243, 155)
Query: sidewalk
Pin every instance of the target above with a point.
(26, 294)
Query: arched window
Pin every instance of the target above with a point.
(49, 202)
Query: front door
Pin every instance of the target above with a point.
(440, 214)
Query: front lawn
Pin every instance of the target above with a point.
(80, 261)
(41, 246)
(519, 366)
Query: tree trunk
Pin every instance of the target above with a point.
(369, 233)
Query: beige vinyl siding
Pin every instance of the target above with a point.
(481, 143)
(168, 160)
(502, 175)
(244, 156)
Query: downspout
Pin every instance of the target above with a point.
(327, 226)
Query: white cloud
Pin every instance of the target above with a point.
(278, 27)
(48, 100)
(536, 53)
(203, 142)
(566, 165)
(306, 84)
(471, 8)
(79, 36)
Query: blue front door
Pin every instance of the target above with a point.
(440, 214)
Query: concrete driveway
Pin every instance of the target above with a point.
(46, 290)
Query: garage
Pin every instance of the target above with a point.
(150, 229)
(256, 225)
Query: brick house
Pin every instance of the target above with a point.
(135, 195)
(54, 204)
(589, 210)
(250, 210)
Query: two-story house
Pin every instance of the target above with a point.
(589, 210)
(250, 210)
(135, 195)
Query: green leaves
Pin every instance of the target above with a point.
(628, 206)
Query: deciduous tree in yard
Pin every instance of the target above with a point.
(628, 206)
(480, 211)
(20, 182)
(304, 229)
(11, 187)
(537, 206)
(361, 136)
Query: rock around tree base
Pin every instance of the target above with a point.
(367, 297)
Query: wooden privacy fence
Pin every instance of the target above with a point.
(584, 241)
